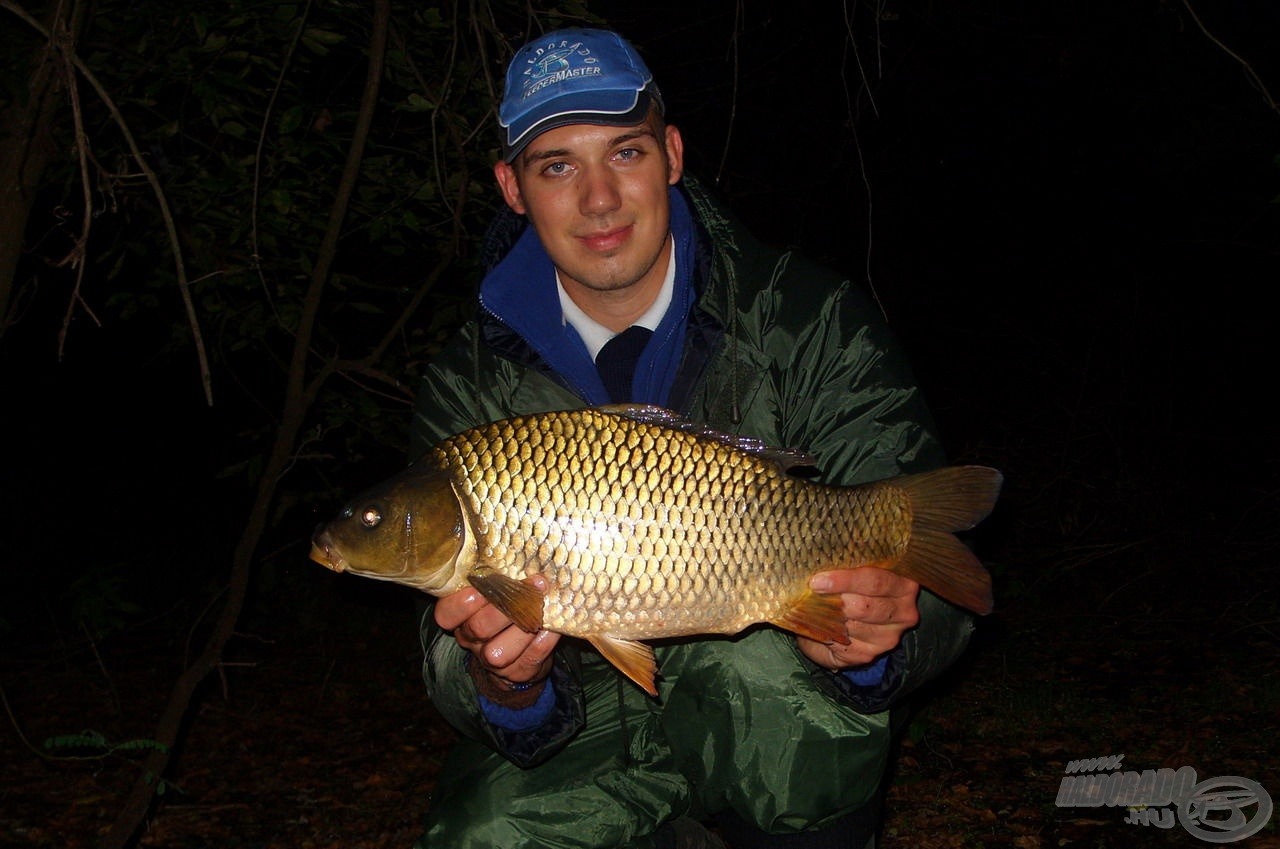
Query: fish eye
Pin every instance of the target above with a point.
(370, 517)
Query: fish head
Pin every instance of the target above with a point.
(410, 530)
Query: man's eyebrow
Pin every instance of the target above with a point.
(539, 155)
(533, 156)
(638, 132)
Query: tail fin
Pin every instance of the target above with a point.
(943, 501)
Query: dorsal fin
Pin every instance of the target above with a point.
(785, 458)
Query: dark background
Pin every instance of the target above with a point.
(1067, 211)
(1068, 214)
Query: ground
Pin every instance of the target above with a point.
(322, 736)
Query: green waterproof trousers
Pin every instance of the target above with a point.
(739, 725)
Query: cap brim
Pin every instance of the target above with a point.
(630, 118)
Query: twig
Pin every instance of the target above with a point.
(857, 146)
(857, 58)
(191, 632)
(1248, 69)
(76, 258)
(256, 255)
(324, 682)
(733, 99)
(13, 720)
(222, 674)
(111, 687)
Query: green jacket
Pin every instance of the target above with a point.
(783, 350)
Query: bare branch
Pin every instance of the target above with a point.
(64, 44)
(733, 100)
(257, 159)
(1248, 69)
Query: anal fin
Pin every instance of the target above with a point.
(518, 601)
(818, 616)
(634, 659)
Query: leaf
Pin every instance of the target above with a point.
(281, 201)
(291, 119)
(324, 36)
(417, 103)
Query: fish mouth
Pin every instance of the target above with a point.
(322, 551)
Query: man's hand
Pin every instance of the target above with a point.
(879, 607)
(504, 657)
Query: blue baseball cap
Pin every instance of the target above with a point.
(573, 76)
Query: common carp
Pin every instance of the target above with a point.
(647, 526)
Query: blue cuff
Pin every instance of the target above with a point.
(869, 675)
(524, 719)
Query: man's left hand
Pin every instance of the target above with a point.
(879, 607)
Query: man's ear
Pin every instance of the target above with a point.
(506, 177)
(675, 155)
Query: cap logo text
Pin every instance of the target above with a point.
(551, 64)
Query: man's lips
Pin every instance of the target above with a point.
(606, 240)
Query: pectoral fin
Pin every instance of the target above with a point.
(518, 601)
(818, 616)
(634, 659)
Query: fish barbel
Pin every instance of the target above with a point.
(647, 526)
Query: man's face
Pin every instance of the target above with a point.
(597, 198)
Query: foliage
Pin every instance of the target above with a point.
(245, 112)
(225, 82)
(93, 745)
(319, 244)
(99, 599)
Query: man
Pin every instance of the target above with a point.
(765, 734)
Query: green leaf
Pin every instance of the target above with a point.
(324, 36)
(291, 119)
(415, 102)
(281, 201)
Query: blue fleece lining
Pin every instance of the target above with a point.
(524, 719)
(869, 675)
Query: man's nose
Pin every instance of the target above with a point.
(600, 192)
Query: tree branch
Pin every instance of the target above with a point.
(255, 197)
(64, 44)
(1248, 69)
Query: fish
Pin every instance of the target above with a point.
(647, 526)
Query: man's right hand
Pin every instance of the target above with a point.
(504, 657)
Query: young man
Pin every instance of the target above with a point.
(766, 734)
